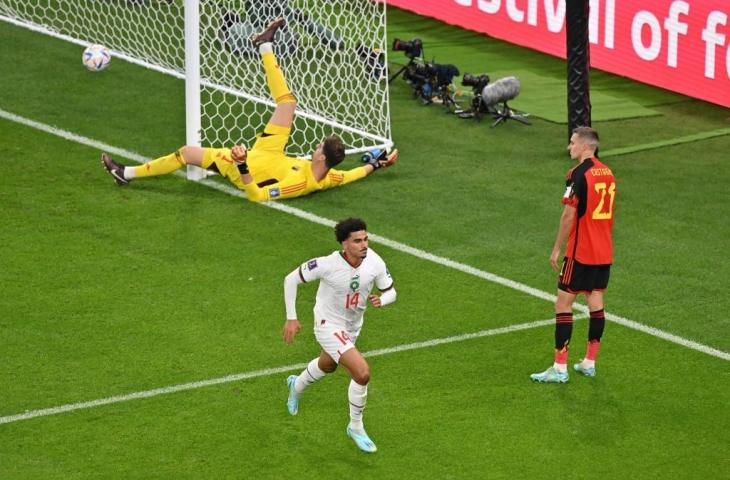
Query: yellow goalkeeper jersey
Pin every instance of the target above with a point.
(275, 174)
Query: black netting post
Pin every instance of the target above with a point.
(579, 61)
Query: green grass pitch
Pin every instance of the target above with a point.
(109, 291)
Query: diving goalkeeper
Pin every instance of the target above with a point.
(264, 171)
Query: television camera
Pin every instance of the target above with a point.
(429, 80)
(491, 99)
(413, 50)
(432, 81)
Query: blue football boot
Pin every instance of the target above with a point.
(362, 440)
(550, 376)
(292, 403)
(587, 371)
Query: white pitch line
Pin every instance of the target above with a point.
(265, 372)
(521, 287)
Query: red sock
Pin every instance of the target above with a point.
(592, 349)
(561, 356)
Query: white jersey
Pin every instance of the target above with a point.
(344, 289)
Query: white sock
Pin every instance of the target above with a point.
(308, 376)
(585, 363)
(358, 396)
(267, 47)
(129, 173)
(560, 367)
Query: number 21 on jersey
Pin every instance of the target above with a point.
(604, 210)
(352, 300)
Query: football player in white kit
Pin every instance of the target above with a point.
(346, 278)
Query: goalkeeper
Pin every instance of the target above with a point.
(264, 171)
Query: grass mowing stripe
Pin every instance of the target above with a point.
(147, 393)
(615, 152)
(392, 243)
(265, 372)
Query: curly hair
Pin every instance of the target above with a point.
(345, 227)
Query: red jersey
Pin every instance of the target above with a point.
(591, 190)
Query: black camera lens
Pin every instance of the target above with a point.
(412, 48)
(478, 82)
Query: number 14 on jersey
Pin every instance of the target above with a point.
(352, 300)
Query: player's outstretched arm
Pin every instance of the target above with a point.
(337, 178)
(383, 161)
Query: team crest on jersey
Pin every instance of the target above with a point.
(274, 192)
(312, 264)
(355, 283)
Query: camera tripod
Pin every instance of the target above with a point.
(411, 61)
(445, 98)
(500, 113)
(505, 112)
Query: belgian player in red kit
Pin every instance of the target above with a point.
(586, 225)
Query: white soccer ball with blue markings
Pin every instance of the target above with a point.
(96, 58)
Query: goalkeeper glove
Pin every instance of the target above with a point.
(383, 160)
(239, 155)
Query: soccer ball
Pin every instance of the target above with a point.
(96, 58)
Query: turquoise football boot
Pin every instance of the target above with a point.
(588, 372)
(292, 403)
(550, 376)
(362, 440)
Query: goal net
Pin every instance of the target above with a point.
(332, 54)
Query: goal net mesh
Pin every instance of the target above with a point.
(332, 54)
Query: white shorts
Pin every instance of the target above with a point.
(334, 339)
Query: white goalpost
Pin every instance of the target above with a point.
(333, 54)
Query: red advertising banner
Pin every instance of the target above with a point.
(680, 45)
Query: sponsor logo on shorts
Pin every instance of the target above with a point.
(312, 264)
(274, 192)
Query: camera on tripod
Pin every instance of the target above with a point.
(477, 82)
(431, 81)
(491, 99)
(413, 48)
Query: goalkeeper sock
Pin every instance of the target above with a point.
(159, 166)
(309, 375)
(274, 77)
(358, 396)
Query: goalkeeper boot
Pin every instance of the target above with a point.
(114, 169)
(292, 403)
(268, 34)
(362, 440)
(587, 371)
(550, 376)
